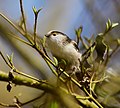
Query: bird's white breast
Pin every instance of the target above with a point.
(66, 52)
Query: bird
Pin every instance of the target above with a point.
(64, 48)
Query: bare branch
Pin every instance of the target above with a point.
(23, 16)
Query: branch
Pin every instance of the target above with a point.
(36, 12)
(23, 16)
(22, 104)
(28, 37)
(20, 80)
(59, 93)
(12, 24)
(10, 64)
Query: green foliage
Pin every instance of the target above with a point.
(110, 26)
(10, 59)
(36, 12)
(78, 34)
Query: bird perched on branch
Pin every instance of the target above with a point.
(62, 47)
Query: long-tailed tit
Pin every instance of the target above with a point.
(62, 47)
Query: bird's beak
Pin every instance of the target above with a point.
(47, 35)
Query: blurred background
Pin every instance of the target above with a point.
(62, 15)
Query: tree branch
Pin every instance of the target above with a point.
(60, 94)
(22, 104)
(20, 80)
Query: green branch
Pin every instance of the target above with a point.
(20, 80)
(59, 93)
(23, 16)
(36, 12)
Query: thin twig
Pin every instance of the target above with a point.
(100, 80)
(91, 80)
(23, 16)
(100, 106)
(32, 100)
(17, 28)
(5, 59)
(22, 104)
(88, 49)
(24, 22)
(12, 24)
(35, 26)
(21, 40)
(29, 76)
(18, 72)
(36, 12)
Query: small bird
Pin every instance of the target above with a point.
(62, 47)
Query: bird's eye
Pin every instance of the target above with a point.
(54, 34)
